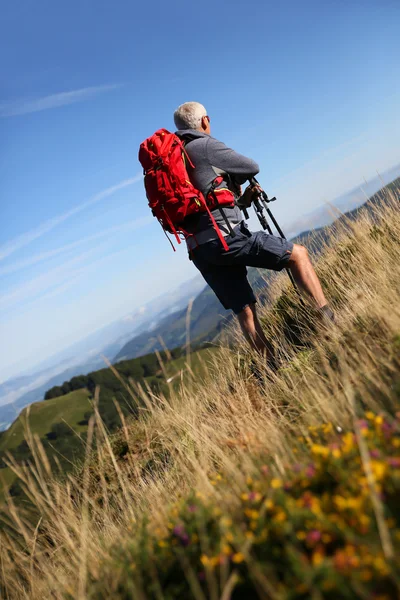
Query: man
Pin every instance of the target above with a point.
(225, 271)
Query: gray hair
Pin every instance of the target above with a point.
(189, 115)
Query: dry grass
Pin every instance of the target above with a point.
(226, 423)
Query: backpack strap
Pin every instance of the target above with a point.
(214, 185)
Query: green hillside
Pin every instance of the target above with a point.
(43, 419)
(41, 416)
(57, 421)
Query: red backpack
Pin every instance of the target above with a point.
(171, 195)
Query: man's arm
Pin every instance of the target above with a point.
(238, 166)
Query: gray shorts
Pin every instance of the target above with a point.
(226, 272)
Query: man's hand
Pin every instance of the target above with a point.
(250, 193)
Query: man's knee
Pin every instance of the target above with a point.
(299, 254)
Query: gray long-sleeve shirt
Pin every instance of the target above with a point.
(212, 158)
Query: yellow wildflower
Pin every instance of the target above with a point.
(205, 560)
(340, 502)
(162, 544)
(366, 575)
(378, 420)
(276, 483)
(317, 558)
(252, 514)
(364, 520)
(380, 565)
(301, 535)
(354, 503)
(319, 450)
(238, 557)
(280, 516)
(348, 442)
(336, 453)
(226, 522)
(269, 504)
(370, 415)
(379, 469)
(226, 549)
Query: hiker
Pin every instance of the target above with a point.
(225, 269)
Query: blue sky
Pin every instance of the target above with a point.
(310, 90)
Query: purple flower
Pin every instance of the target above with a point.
(192, 508)
(298, 467)
(375, 453)
(314, 536)
(394, 462)
(310, 471)
(178, 530)
(363, 424)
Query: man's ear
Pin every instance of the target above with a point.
(204, 123)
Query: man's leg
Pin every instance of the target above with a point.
(305, 276)
(253, 331)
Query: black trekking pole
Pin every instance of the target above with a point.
(259, 210)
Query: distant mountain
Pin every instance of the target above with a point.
(207, 319)
(86, 355)
(327, 213)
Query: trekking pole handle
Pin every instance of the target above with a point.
(253, 181)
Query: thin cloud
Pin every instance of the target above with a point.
(42, 256)
(45, 282)
(24, 107)
(53, 281)
(28, 237)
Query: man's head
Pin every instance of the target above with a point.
(192, 115)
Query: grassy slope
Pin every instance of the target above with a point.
(71, 408)
(42, 415)
(238, 487)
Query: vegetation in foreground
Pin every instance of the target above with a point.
(235, 487)
(61, 421)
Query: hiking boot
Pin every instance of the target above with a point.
(260, 373)
(327, 315)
